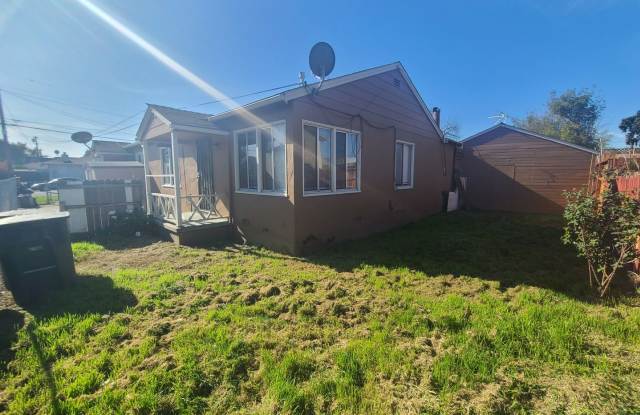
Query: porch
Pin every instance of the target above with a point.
(187, 176)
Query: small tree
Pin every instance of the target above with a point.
(631, 127)
(572, 116)
(604, 231)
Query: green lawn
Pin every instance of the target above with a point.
(464, 313)
(42, 199)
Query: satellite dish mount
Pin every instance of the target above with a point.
(322, 60)
(82, 137)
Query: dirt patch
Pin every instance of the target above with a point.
(112, 260)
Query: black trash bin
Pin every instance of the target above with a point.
(35, 252)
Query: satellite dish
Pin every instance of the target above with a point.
(82, 137)
(322, 59)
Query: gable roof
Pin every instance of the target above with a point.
(301, 91)
(178, 119)
(109, 146)
(195, 121)
(532, 134)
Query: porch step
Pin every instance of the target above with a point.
(198, 233)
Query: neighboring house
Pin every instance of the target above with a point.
(114, 160)
(114, 170)
(302, 168)
(71, 167)
(103, 150)
(506, 168)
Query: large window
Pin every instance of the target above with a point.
(167, 166)
(331, 159)
(404, 165)
(261, 163)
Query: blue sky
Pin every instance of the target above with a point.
(471, 58)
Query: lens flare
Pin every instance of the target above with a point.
(170, 63)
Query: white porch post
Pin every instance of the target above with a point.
(145, 162)
(176, 178)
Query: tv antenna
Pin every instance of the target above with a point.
(500, 118)
(322, 60)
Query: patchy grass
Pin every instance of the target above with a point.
(43, 200)
(465, 313)
(82, 250)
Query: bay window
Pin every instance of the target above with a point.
(404, 165)
(331, 159)
(260, 157)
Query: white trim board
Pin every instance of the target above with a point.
(152, 112)
(529, 133)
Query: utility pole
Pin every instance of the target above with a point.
(34, 140)
(5, 137)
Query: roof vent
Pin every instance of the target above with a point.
(396, 82)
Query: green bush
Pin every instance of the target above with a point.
(604, 232)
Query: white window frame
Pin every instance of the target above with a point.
(171, 179)
(413, 164)
(333, 190)
(236, 161)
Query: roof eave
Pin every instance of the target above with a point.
(301, 91)
(531, 133)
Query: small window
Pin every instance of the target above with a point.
(167, 166)
(331, 160)
(404, 165)
(261, 159)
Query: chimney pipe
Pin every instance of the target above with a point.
(436, 115)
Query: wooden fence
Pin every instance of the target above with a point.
(628, 165)
(629, 185)
(93, 204)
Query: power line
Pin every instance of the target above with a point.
(60, 131)
(105, 130)
(68, 114)
(108, 131)
(57, 101)
(49, 124)
(243, 96)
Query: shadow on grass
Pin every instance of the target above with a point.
(83, 295)
(509, 248)
(119, 242)
(10, 322)
(46, 369)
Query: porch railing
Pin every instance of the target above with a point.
(194, 208)
(163, 207)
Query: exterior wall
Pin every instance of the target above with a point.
(383, 109)
(115, 173)
(388, 112)
(188, 168)
(508, 170)
(264, 219)
(8, 194)
(72, 170)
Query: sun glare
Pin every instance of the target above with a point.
(169, 62)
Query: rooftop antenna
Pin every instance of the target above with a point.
(500, 118)
(322, 60)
